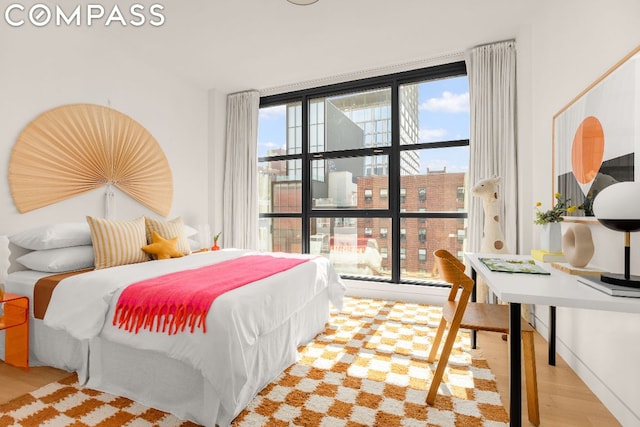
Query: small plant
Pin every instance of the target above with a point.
(554, 214)
(215, 246)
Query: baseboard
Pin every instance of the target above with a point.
(396, 292)
(621, 411)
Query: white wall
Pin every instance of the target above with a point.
(217, 132)
(566, 47)
(45, 68)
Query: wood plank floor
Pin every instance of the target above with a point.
(16, 381)
(564, 399)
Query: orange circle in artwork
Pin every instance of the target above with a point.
(587, 150)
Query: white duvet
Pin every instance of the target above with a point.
(84, 305)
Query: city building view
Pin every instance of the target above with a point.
(352, 202)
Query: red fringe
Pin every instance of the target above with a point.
(170, 319)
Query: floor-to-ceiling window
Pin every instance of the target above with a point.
(371, 174)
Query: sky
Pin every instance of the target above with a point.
(443, 115)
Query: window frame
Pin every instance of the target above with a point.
(422, 255)
(422, 195)
(422, 234)
(394, 210)
(383, 235)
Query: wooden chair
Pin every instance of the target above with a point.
(460, 313)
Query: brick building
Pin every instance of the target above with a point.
(436, 191)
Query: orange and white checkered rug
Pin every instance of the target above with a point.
(368, 368)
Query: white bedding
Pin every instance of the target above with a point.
(237, 355)
(22, 282)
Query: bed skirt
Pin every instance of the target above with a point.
(170, 385)
(51, 347)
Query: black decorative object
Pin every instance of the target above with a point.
(617, 207)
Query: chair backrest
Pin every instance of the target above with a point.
(452, 271)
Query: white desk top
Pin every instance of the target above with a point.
(558, 289)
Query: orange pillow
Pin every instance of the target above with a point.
(162, 248)
(168, 229)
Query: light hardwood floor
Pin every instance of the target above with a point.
(564, 399)
(17, 381)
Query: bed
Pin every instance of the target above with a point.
(207, 377)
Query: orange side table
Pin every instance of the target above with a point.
(15, 322)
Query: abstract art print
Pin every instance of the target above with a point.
(596, 135)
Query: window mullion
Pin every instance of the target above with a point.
(394, 183)
(306, 178)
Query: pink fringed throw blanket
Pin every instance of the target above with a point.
(178, 300)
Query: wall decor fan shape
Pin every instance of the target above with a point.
(76, 148)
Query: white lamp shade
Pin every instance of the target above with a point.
(619, 201)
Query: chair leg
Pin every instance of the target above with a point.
(436, 341)
(442, 363)
(530, 377)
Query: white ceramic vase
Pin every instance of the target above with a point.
(577, 245)
(551, 237)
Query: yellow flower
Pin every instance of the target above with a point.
(555, 213)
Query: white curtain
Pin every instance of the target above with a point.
(240, 221)
(492, 91)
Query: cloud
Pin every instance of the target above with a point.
(430, 135)
(447, 103)
(268, 145)
(270, 113)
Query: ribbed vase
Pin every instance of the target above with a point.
(551, 237)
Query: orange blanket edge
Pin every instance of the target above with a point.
(43, 290)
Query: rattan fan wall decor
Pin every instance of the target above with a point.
(73, 149)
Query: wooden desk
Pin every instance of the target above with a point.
(557, 289)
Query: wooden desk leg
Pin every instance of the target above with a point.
(474, 277)
(515, 366)
(552, 335)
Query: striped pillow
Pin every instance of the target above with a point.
(168, 230)
(117, 242)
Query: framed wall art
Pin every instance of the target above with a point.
(596, 136)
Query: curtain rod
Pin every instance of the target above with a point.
(492, 43)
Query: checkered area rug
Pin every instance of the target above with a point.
(64, 403)
(368, 368)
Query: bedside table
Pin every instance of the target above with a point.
(15, 322)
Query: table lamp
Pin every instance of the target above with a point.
(617, 207)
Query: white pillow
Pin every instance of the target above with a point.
(53, 236)
(59, 260)
(190, 231)
(194, 245)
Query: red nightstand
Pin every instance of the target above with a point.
(15, 322)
